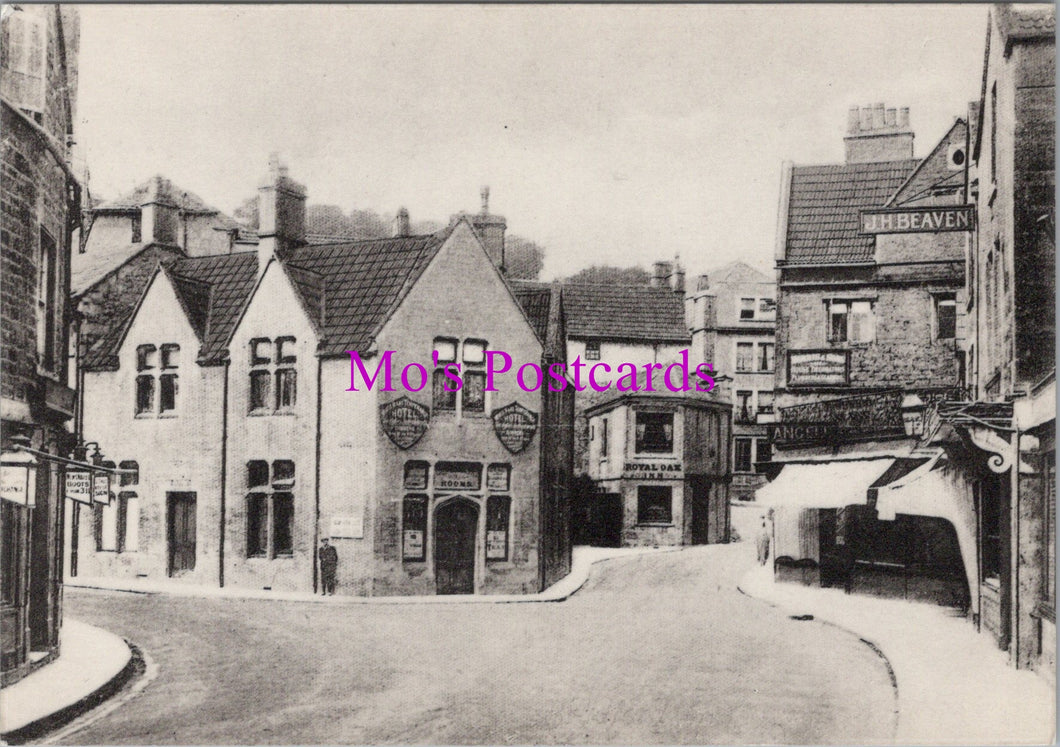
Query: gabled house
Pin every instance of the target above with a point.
(421, 488)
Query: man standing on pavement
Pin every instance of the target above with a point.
(329, 564)
(762, 543)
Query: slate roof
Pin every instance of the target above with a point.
(89, 268)
(1026, 20)
(212, 290)
(361, 282)
(824, 204)
(933, 175)
(536, 299)
(636, 313)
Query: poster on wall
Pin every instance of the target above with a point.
(412, 544)
(346, 527)
(404, 421)
(498, 477)
(515, 426)
(818, 368)
(496, 545)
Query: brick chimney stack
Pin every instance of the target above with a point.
(159, 213)
(661, 272)
(490, 229)
(281, 212)
(876, 134)
(402, 227)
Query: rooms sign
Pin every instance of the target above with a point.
(932, 219)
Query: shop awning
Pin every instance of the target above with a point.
(823, 484)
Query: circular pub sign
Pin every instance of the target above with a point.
(404, 421)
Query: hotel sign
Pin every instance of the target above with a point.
(933, 219)
(404, 421)
(515, 426)
(818, 368)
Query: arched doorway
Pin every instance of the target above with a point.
(455, 531)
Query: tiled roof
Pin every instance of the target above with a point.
(535, 298)
(180, 197)
(89, 268)
(1026, 20)
(362, 282)
(934, 176)
(624, 312)
(230, 278)
(824, 204)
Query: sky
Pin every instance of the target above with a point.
(609, 134)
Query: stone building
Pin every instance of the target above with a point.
(870, 327)
(1006, 433)
(40, 201)
(661, 467)
(233, 398)
(732, 319)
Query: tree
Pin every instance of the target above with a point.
(523, 258)
(611, 275)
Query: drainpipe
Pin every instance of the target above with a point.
(1015, 520)
(224, 478)
(316, 486)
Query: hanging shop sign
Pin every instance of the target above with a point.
(515, 426)
(404, 421)
(818, 368)
(18, 479)
(931, 219)
(79, 486)
(652, 470)
(101, 488)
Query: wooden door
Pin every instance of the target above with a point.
(700, 505)
(455, 530)
(181, 510)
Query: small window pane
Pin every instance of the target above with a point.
(259, 390)
(474, 392)
(145, 394)
(592, 350)
(603, 437)
(445, 348)
(743, 455)
(765, 401)
(283, 524)
(765, 356)
(257, 525)
(146, 357)
(837, 329)
(168, 388)
(257, 473)
(474, 352)
(655, 433)
(170, 356)
(132, 474)
(947, 318)
(287, 387)
(283, 471)
(654, 504)
(443, 400)
(744, 354)
(747, 308)
(285, 350)
(260, 351)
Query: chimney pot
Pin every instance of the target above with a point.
(485, 193)
(401, 223)
(865, 114)
(853, 120)
(903, 117)
(890, 117)
(703, 282)
(877, 117)
(661, 272)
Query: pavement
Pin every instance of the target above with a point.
(954, 685)
(91, 661)
(582, 560)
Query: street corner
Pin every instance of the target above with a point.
(95, 667)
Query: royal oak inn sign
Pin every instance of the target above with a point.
(931, 219)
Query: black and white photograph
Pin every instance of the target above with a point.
(528, 373)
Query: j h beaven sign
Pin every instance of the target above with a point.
(934, 219)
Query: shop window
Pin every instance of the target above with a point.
(742, 455)
(12, 551)
(765, 356)
(851, 321)
(498, 507)
(474, 389)
(444, 352)
(654, 504)
(747, 308)
(592, 350)
(945, 317)
(416, 475)
(414, 528)
(744, 355)
(655, 433)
